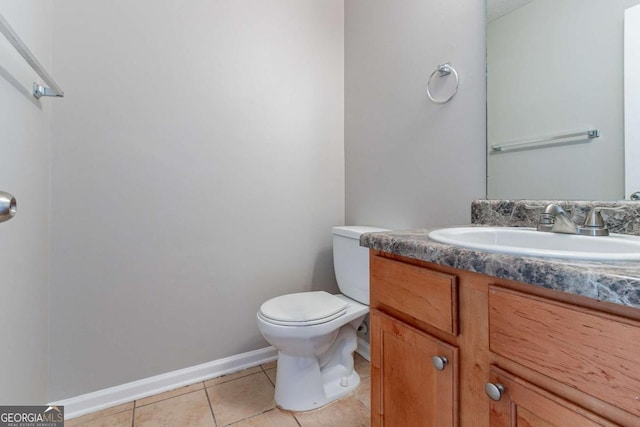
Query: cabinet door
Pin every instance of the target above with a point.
(523, 404)
(407, 388)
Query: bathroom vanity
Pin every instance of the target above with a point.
(466, 338)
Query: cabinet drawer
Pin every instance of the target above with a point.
(583, 348)
(426, 295)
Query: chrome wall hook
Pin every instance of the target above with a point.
(443, 70)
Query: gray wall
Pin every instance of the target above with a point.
(25, 126)
(555, 67)
(409, 162)
(198, 167)
(194, 136)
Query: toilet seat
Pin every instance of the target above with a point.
(303, 309)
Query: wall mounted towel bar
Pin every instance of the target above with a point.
(18, 44)
(569, 138)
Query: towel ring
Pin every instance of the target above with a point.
(443, 70)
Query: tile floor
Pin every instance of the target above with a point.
(242, 399)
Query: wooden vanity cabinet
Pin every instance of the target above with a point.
(558, 359)
(414, 372)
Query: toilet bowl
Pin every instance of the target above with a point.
(315, 332)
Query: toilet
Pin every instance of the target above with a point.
(315, 332)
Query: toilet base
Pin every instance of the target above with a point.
(306, 383)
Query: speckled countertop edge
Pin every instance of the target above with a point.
(617, 282)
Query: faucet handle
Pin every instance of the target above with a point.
(594, 218)
(594, 224)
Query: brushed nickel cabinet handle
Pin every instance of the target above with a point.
(494, 391)
(439, 362)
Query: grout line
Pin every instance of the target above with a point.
(94, 415)
(253, 416)
(233, 373)
(268, 377)
(135, 404)
(133, 414)
(206, 392)
(276, 408)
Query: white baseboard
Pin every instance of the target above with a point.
(108, 397)
(363, 349)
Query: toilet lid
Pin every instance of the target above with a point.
(303, 309)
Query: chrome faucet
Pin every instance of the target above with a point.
(556, 220)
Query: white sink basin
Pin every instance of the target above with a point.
(529, 242)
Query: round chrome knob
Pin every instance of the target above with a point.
(494, 391)
(439, 362)
(8, 206)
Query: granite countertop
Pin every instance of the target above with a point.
(617, 282)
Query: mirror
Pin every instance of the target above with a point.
(556, 68)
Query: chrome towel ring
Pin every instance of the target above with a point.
(443, 70)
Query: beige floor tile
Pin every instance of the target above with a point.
(271, 373)
(169, 394)
(362, 366)
(269, 365)
(242, 398)
(346, 412)
(120, 419)
(363, 393)
(85, 419)
(231, 377)
(191, 409)
(273, 418)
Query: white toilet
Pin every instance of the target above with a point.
(315, 332)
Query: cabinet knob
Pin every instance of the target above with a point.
(439, 362)
(494, 391)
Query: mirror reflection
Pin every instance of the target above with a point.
(555, 72)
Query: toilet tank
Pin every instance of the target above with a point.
(351, 261)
